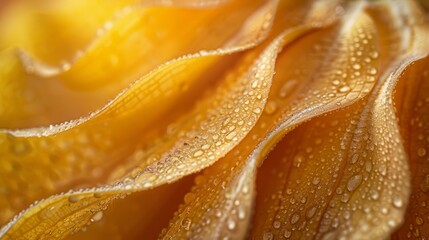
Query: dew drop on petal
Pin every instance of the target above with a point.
(421, 152)
(276, 224)
(354, 182)
(186, 223)
(295, 218)
(97, 217)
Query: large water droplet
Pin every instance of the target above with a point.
(356, 66)
(287, 234)
(277, 224)
(231, 224)
(344, 89)
(97, 217)
(354, 182)
(74, 199)
(397, 202)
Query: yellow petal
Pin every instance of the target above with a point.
(51, 31)
(220, 204)
(129, 46)
(181, 228)
(199, 138)
(141, 215)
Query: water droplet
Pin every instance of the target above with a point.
(241, 213)
(205, 146)
(372, 71)
(382, 169)
(254, 84)
(345, 198)
(146, 178)
(374, 194)
(186, 223)
(344, 89)
(355, 158)
(198, 153)
(287, 88)
(74, 199)
(356, 66)
(231, 224)
(257, 110)
(20, 148)
(419, 221)
(297, 161)
(397, 202)
(373, 54)
(97, 217)
(231, 135)
(189, 197)
(287, 234)
(271, 107)
(421, 152)
(315, 181)
(336, 82)
(295, 218)
(98, 195)
(268, 236)
(310, 212)
(277, 224)
(354, 182)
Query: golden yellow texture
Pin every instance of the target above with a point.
(214, 119)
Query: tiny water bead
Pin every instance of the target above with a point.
(198, 153)
(186, 223)
(421, 152)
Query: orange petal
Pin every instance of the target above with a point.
(215, 229)
(343, 175)
(412, 98)
(220, 204)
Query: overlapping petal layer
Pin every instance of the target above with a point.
(200, 137)
(338, 169)
(94, 73)
(221, 203)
